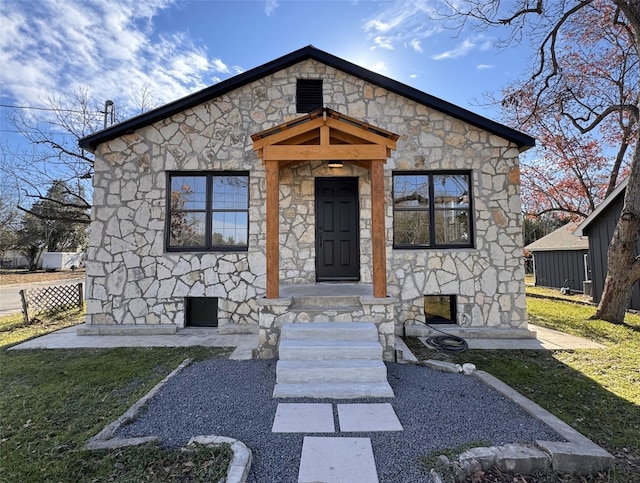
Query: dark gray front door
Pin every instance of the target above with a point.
(337, 230)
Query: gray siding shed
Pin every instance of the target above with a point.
(560, 257)
(599, 228)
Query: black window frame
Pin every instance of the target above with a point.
(431, 209)
(208, 211)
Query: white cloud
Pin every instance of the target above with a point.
(383, 43)
(379, 67)
(270, 7)
(484, 66)
(57, 47)
(461, 50)
(404, 21)
(376, 25)
(220, 66)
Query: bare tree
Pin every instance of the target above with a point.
(52, 155)
(599, 96)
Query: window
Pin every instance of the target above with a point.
(308, 95)
(432, 209)
(440, 309)
(207, 211)
(201, 311)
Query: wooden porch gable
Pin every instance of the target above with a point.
(328, 136)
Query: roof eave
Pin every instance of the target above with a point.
(600, 208)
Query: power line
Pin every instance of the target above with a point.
(43, 109)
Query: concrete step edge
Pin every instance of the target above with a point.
(347, 390)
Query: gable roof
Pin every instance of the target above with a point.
(563, 238)
(91, 142)
(619, 191)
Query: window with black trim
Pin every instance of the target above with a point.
(207, 211)
(432, 209)
(308, 95)
(440, 309)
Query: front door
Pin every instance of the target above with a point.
(337, 230)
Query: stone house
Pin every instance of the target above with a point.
(241, 205)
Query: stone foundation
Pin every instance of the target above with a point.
(273, 313)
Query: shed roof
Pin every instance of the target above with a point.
(564, 238)
(91, 142)
(595, 214)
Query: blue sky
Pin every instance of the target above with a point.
(175, 47)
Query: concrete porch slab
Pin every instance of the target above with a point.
(207, 337)
(546, 339)
(304, 418)
(337, 460)
(368, 417)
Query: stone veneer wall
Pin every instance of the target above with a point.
(132, 280)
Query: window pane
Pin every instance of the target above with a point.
(451, 191)
(452, 227)
(188, 192)
(229, 228)
(439, 308)
(411, 227)
(187, 229)
(230, 192)
(411, 191)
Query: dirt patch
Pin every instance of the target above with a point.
(12, 277)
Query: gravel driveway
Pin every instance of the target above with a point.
(233, 398)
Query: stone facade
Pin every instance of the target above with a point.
(133, 280)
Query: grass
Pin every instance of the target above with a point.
(52, 401)
(595, 391)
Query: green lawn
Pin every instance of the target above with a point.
(595, 391)
(52, 401)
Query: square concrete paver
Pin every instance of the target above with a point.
(303, 418)
(337, 460)
(368, 417)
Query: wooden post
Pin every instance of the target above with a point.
(25, 306)
(378, 234)
(273, 232)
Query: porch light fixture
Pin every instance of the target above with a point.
(335, 164)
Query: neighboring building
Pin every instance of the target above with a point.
(213, 208)
(13, 258)
(560, 259)
(599, 227)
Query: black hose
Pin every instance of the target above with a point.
(445, 342)
(448, 343)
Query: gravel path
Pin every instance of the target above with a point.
(233, 398)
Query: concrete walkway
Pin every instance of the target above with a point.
(207, 337)
(548, 339)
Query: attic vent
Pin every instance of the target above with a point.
(308, 95)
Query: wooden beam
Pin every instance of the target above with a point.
(361, 133)
(343, 152)
(378, 235)
(287, 133)
(273, 236)
(324, 136)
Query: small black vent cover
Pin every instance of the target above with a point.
(308, 95)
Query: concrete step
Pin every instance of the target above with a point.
(343, 390)
(353, 370)
(338, 331)
(329, 350)
(323, 302)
